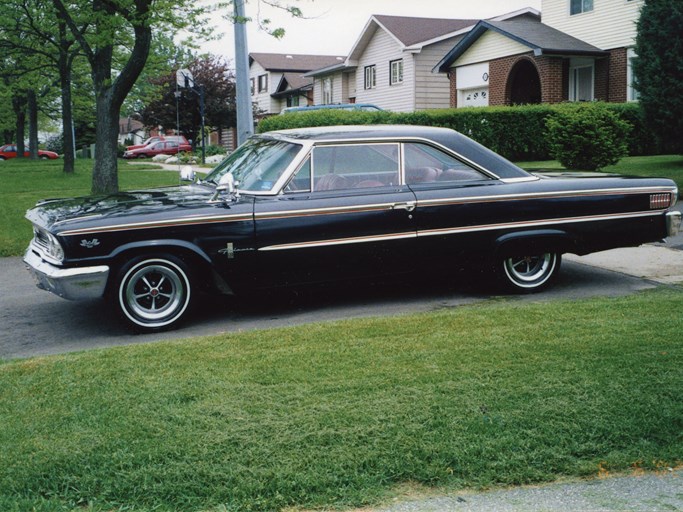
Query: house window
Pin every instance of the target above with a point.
(579, 6)
(252, 83)
(631, 93)
(581, 83)
(370, 77)
(396, 72)
(263, 83)
(292, 101)
(327, 90)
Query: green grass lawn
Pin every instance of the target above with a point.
(342, 414)
(25, 182)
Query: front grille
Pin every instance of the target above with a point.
(659, 201)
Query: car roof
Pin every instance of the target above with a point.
(451, 139)
(349, 106)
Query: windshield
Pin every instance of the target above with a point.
(257, 164)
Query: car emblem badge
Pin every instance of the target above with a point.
(89, 244)
(229, 250)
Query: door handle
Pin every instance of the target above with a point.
(408, 206)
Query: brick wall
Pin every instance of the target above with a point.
(454, 89)
(610, 78)
(617, 75)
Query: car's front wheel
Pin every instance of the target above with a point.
(153, 293)
(530, 273)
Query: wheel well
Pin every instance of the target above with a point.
(534, 242)
(199, 268)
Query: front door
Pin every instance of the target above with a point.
(344, 215)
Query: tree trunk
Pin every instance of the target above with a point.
(32, 107)
(19, 106)
(105, 171)
(64, 66)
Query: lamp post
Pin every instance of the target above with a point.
(184, 79)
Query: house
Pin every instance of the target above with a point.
(581, 50)
(390, 65)
(131, 131)
(277, 80)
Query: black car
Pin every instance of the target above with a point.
(323, 204)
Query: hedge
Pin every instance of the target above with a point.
(518, 133)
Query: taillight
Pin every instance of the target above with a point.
(659, 201)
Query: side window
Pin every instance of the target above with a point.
(355, 166)
(424, 163)
(301, 182)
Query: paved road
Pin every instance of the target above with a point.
(34, 322)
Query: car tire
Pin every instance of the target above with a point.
(530, 273)
(44, 157)
(153, 293)
(142, 155)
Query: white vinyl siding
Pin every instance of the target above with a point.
(491, 45)
(611, 23)
(263, 99)
(432, 90)
(380, 51)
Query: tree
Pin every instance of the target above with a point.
(658, 70)
(211, 73)
(116, 47)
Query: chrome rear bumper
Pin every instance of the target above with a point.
(673, 223)
(69, 283)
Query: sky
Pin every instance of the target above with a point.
(332, 27)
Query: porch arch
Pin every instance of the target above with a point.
(523, 83)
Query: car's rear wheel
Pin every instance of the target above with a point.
(530, 273)
(153, 293)
(142, 155)
(44, 157)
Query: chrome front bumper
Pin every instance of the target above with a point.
(69, 283)
(673, 223)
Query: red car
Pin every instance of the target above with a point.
(10, 151)
(180, 139)
(157, 148)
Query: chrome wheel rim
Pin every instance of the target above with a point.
(154, 294)
(530, 271)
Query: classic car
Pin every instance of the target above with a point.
(164, 147)
(10, 151)
(323, 204)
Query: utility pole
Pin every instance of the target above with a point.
(245, 119)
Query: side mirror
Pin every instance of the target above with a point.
(187, 174)
(226, 184)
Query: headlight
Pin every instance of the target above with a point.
(54, 248)
(49, 244)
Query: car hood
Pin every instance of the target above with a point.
(150, 204)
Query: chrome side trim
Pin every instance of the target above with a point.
(324, 211)
(69, 283)
(542, 195)
(160, 224)
(340, 241)
(531, 224)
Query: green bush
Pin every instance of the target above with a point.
(517, 133)
(587, 137)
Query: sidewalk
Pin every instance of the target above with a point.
(647, 492)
